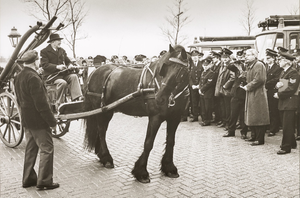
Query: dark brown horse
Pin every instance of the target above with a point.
(168, 76)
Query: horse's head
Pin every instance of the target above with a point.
(172, 70)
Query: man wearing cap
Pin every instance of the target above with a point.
(38, 121)
(53, 60)
(288, 101)
(237, 103)
(297, 67)
(196, 70)
(224, 84)
(207, 85)
(273, 73)
(256, 103)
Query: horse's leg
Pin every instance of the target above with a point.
(167, 165)
(101, 147)
(140, 168)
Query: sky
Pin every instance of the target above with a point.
(131, 27)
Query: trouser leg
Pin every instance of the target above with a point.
(242, 116)
(44, 141)
(75, 88)
(61, 87)
(195, 102)
(217, 109)
(274, 115)
(260, 134)
(31, 151)
(234, 114)
(288, 128)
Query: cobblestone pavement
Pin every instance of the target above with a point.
(209, 165)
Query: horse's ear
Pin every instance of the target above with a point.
(171, 49)
(183, 54)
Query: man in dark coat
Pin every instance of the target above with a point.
(196, 70)
(54, 59)
(288, 101)
(237, 106)
(273, 73)
(38, 121)
(207, 85)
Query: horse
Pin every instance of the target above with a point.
(168, 77)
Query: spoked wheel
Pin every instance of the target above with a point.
(11, 130)
(62, 128)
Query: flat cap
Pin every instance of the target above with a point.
(270, 52)
(138, 57)
(240, 53)
(282, 49)
(29, 57)
(195, 53)
(287, 56)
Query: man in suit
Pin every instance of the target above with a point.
(237, 105)
(273, 73)
(216, 59)
(288, 101)
(55, 59)
(224, 84)
(207, 85)
(38, 121)
(196, 70)
(256, 103)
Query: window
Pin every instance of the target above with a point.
(294, 41)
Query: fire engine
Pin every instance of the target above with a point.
(278, 30)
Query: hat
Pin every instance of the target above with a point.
(282, 49)
(138, 57)
(162, 52)
(213, 53)
(296, 52)
(54, 37)
(271, 53)
(29, 57)
(90, 57)
(287, 56)
(114, 57)
(208, 59)
(200, 54)
(226, 52)
(195, 53)
(240, 53)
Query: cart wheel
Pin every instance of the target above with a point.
(11, 130)
(62, 128)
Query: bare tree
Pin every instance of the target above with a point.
(294, 9)
(77, 13)
(176, 21)
(248, 16)
(71, 13)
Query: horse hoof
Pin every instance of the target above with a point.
(109, 165)
(172, 175)
(144, 181)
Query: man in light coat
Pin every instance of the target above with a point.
(256, 104)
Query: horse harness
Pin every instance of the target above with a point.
(142, 84)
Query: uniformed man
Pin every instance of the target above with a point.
(297, 67)
(207, 85)
(273, 73)
(196, 70)
(37, 120)
(288, 101)
(224, 84)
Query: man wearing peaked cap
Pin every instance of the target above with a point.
(194, 77)
(287, 94)
(282, 49)
(226, 52)
(215, 54)
(273, 73)
(38, 121)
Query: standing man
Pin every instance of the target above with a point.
(37, 120)
(288, 101)
(55, 59)
(273, 73)
(224, 84)
(297, 67)
(196, 70)
(256, 104)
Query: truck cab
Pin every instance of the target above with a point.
(278, 30)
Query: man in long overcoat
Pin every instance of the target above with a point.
(256, 103)
(37, 120)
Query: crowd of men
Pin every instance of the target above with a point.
(248, 94)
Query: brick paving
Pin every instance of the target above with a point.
(208, 164)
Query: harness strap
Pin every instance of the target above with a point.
(145, 69)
